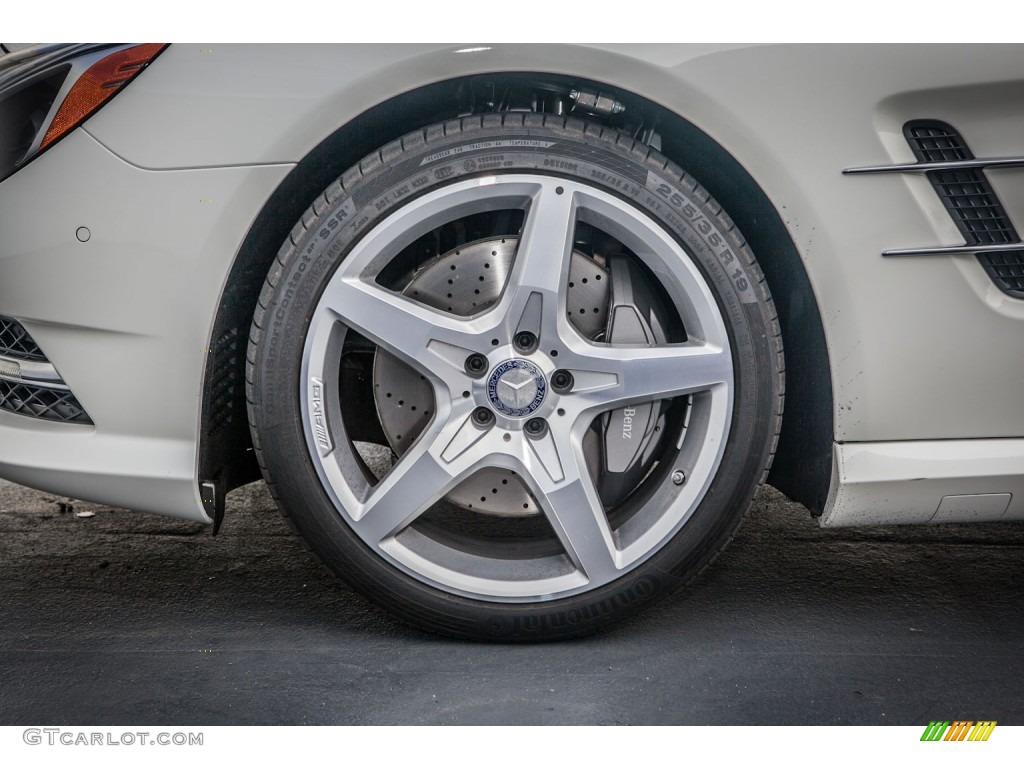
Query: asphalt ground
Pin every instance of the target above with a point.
(122, 618)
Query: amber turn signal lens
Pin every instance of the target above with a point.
(98, 84)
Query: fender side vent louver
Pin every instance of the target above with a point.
(966, 193)
(970, 201)
(959, 179)
(935, 142)
(1006, 270)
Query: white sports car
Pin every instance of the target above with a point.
(508, 329)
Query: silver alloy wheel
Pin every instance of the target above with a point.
(552, 464)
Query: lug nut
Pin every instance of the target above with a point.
(525, 342)
(483, 417)
(561, 381)
(535, 427)
(476, 365)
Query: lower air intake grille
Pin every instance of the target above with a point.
(16, 342)
(1006, 271)
(42, 403)
(969, 199)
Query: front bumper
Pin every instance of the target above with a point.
(125, 317)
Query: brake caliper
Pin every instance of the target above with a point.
(629, 444)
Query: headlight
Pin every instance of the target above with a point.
(47, 90)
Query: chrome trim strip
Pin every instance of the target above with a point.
(31, 372)
(950, 165)
(953, 250)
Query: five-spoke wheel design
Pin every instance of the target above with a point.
(516, 389)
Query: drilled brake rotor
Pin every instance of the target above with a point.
(466, 281)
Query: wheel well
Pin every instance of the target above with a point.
(802, 466)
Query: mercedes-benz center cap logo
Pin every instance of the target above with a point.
(516, 388)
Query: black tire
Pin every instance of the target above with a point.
(286, 410)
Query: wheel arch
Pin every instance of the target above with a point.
(802, 466)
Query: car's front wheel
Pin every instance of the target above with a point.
(515, 377)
